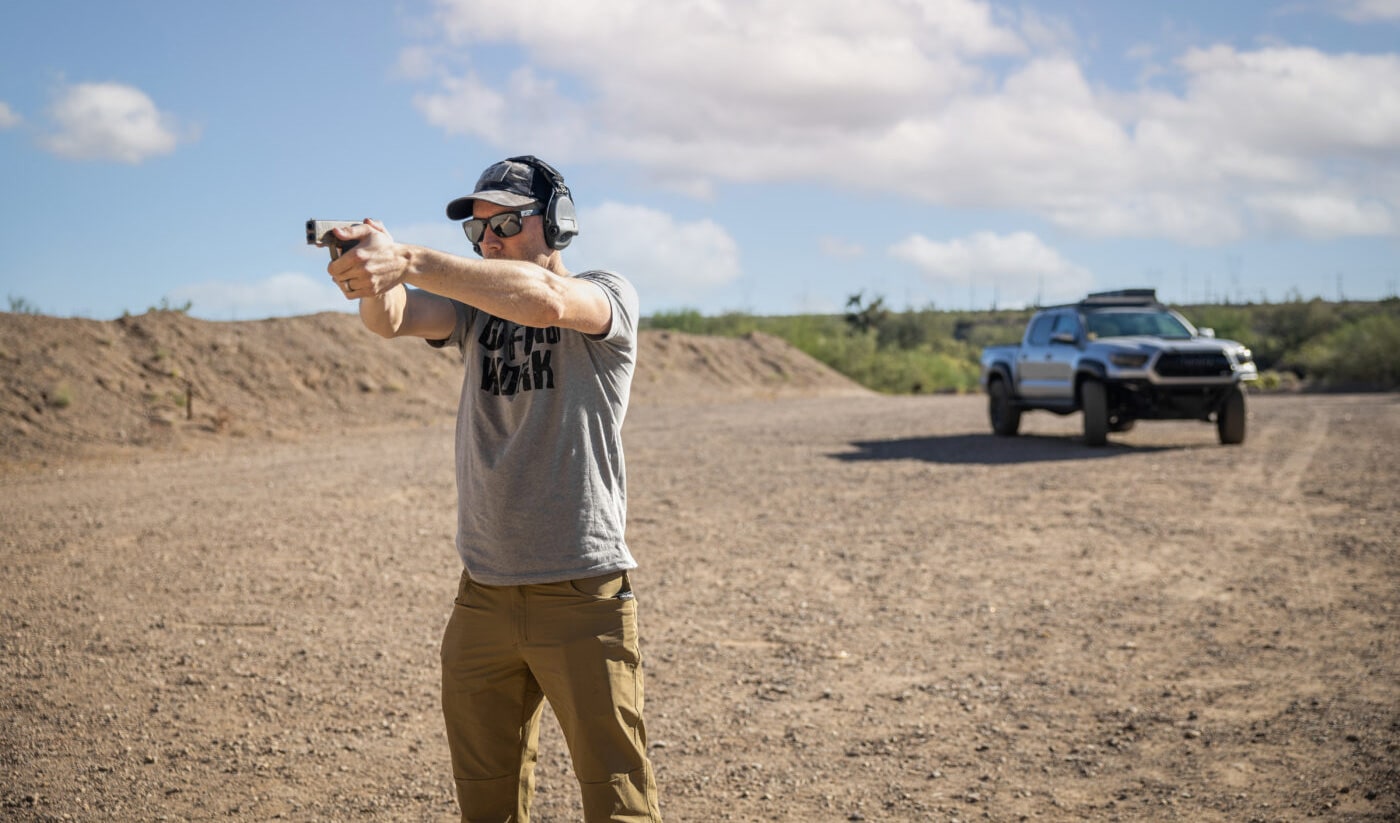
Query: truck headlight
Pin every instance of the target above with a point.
(1128, 361)
(1244, 356)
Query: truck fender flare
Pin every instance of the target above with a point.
(1087, 370)
(1000, 369)
(1090, 368)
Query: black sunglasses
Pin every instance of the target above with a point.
(505, 224)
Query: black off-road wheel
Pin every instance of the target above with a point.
(1006, 418)
(1095, 400)
(1230, 420)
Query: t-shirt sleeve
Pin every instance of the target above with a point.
(459, 332)
(626, 306)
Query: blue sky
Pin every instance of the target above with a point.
(727, 155)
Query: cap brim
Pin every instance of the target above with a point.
(461, 208)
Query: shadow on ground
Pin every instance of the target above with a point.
(987, 449)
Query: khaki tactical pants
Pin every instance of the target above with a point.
(508, 648)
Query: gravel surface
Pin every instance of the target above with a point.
(853, 608)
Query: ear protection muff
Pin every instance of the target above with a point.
(557, 203)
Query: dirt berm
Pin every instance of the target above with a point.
(162, 378)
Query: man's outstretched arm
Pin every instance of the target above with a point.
(403, 312)
(520, 291)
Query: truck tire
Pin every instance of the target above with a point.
(1230, 420)
(1006, 418)
(1095, 401)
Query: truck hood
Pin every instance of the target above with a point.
(1147, 345)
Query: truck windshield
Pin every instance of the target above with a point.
(1121, 323)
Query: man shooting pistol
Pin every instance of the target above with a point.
(549, 357)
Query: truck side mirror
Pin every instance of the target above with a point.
(1206, 332)
(1064, 337)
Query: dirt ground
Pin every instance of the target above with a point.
(853, 607)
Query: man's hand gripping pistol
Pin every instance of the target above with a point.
(320, 233)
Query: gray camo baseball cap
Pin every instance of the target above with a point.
(507, 183)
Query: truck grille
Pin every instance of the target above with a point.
(1205, 364)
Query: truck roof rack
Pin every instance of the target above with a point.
(1122, 297)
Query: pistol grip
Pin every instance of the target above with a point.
(340, 246)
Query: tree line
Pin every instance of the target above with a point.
(1297, 343)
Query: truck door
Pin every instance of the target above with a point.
(1061, 357)
(1032, 358)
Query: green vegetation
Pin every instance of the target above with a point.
(898, 353)
(1360, 353)
(1349, 345)
(20, 305)
(165, 306)
(1316, 343)
(60, 396)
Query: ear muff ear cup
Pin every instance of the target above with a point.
(560, 218)
(560, 221)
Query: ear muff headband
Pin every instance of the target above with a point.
(560, 219)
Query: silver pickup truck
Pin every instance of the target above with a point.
(1119, 357)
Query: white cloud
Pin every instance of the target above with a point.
(1294, 102)
(109, 121)
(280, 295)
(749, 74)
(953, 102)
(1324, 215)
(1018, 265)
(669, 261)
(8, 118)
(1365, 11)
(527, 104)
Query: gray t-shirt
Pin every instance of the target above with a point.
(541, 482)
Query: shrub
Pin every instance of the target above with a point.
(60, 396)
(19, 305)
(1365, 352)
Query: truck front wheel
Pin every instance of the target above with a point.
(1229, 421)
(1006, 418)
(1095, 401)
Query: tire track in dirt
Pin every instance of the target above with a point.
(1271, 514)
(1275, 456)
(1304, 441)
